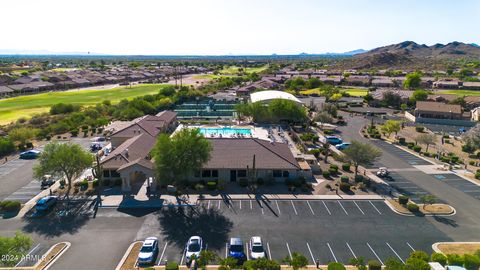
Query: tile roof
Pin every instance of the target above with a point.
(236, 153)
(133, 150)
(151, 124)
(428, 106)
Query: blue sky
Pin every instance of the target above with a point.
(213, 27)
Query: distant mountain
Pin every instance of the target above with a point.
(409, 54)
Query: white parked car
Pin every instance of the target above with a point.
(149, 251)
(193, 248)
(256, 248)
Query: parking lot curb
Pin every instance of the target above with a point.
(396, 211)
(68, 245)
(454, 212)
(124, 258)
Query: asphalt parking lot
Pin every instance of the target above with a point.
(408, 158)
(460, 184)
(293, 226)
(406, 187)
(25, 193)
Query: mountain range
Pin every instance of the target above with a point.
(411, 55)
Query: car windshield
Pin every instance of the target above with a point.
(236, 248)
(257, 249)
(194, 247)
(146, 249)
(41, 202)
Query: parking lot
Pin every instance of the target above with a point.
(408, 158)
(319, 229)
(406, 187)
(460, 184)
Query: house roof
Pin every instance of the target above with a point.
(236, 153)
(428, 106)
(132, 151)
(151, 124)
(4, 89)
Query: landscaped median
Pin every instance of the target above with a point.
(47, 259)
(129, 262)
(412, 209)
(459, 248)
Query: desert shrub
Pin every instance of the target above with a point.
(417, 148)
(328, 186)
(346, 167)
(447, 140)
(345, 187)
(439, 257)
(359, 178)
(418, 254)
(412, 207)
(199, 187)
(471, 162)
(211, 185)
(374, 265)
(326, 174)
(344, 179)
(335, 266)
(10, 206)
(454, 159)
(419, 129)
(332, 171)
(401, 140)
(171, 266)
(403, 199)
(471, 262)
(455, 259)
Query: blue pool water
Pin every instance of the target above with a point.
(225, 131)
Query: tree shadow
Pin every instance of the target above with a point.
(63, 218)
(179, 223)
(446, 221)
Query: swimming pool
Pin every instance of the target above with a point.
(225, 131)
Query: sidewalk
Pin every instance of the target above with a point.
(120, 201)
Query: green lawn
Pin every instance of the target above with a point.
(356, 92)
(25, 106)
(234, 69)
(460, 93)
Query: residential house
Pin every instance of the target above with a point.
(447, 84)
(436, 110)
(382, 82)
(5, 91)
(233, 159)
(471, 85)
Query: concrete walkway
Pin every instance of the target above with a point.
(119, 201)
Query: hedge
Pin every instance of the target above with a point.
(455, 259)
(439, 257)
(10, 206)
(374, 265)
(336, 266)
(171, 266)
(403, 199)
(412, 207)
(471, 262)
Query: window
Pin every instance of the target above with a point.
(206, 173)
(242, 173)
(277, 173)
(214, 173)
(106, 173)
(286, 174)
(114, 174)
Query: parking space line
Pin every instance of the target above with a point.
(251, 205)
(395, 252)
(311, 209)
(375, 207)
(351, 250)
(410, 246)
(269, 254)
(374, 253)
(363, 213)
(163, 253)
(240, 204)
(294, 209)
(183, 257)
(311, 254)
(28, 254)
(278, 208)
(289, 253)
(331, 251)
(246, 249)
(219, 202)
(226, 250)
(208, 206)
(343, 207)
(328, 210)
